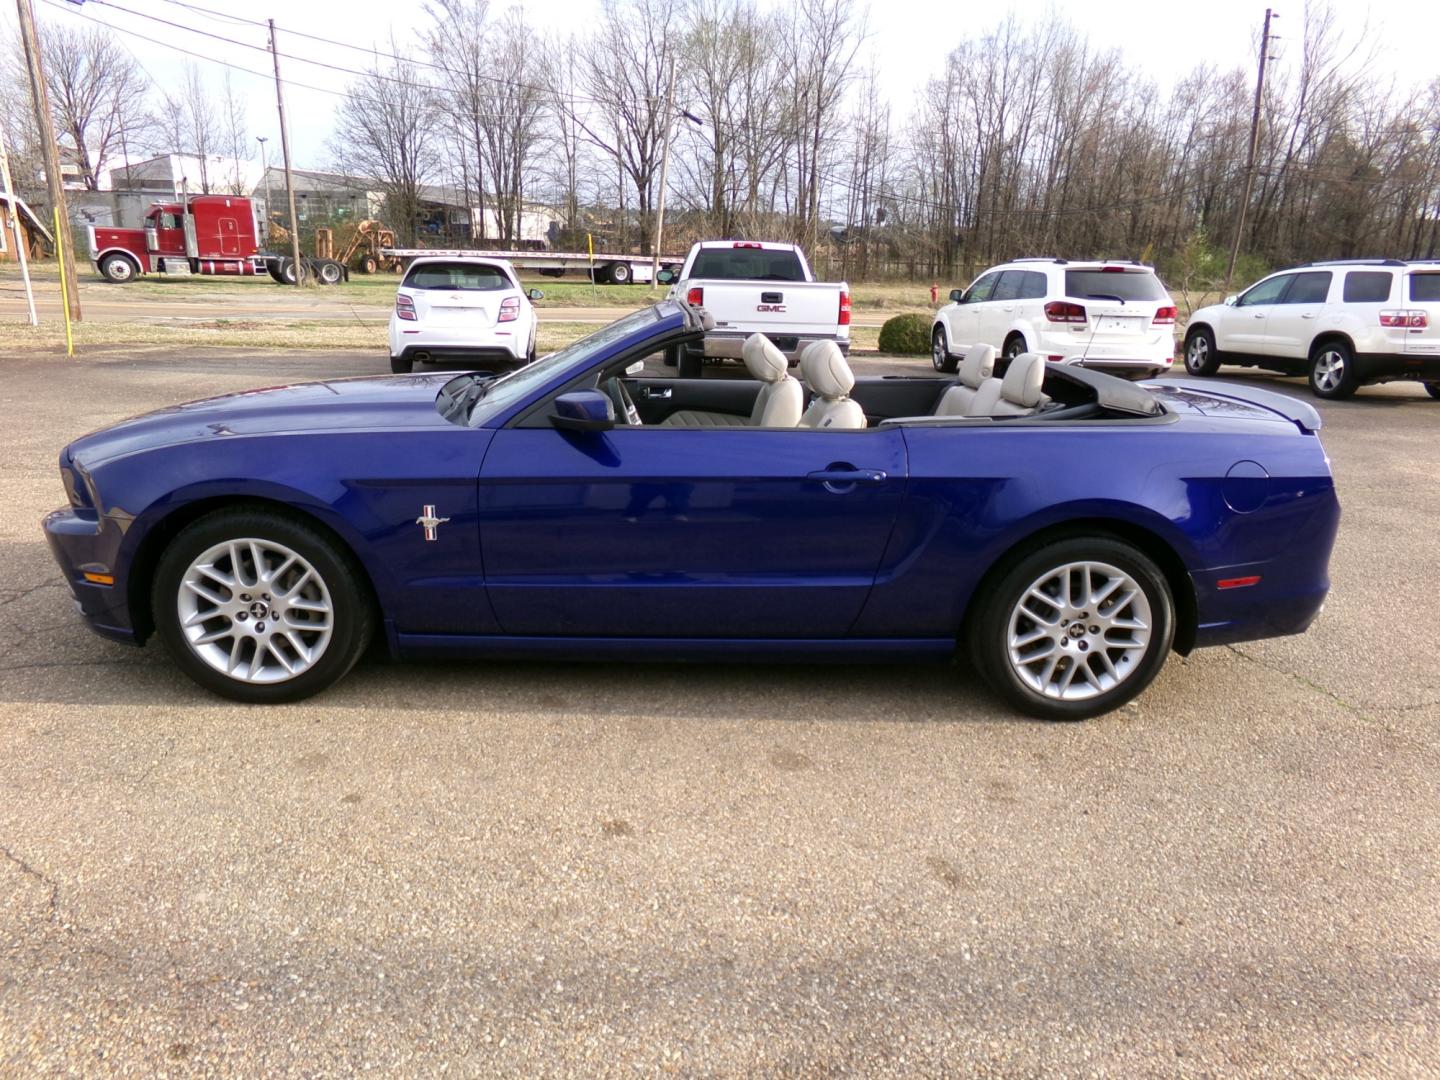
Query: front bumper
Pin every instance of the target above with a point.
(81, 545)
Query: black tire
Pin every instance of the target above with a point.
(692, 364)
(287, 271)
(671, 356)
(621, 274)
(118, 269)
(329, 272)
(1332, 371)
(402, 365)
(989, 631)
(369, 264)
(1201, 356)
(1014, 346)
(273, 267)
(1433, 389)
(940, 357)
(351, 612)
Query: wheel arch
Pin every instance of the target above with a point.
(128, 255)
(163, 530)
(1328, 337)
(1147, 541)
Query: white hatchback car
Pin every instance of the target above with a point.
(1343, 324)
(462, 308)
(1112, 316)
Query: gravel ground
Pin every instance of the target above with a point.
(571, 869)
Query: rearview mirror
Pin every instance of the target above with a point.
(583, 410)
(535, 294)
(665, 277)
(957, 295)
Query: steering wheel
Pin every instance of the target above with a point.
(624, 403)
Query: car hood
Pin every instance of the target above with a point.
(379, 403)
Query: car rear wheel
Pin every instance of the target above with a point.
(401, 365)
(1332, 371)
(1201, 358)
(940, 352)
(1075, 629)
(260, 608)
(117, 269)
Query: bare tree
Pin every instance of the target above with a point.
(235, 135)
(385, 131)
(190, 125)
(457, 44)
(513, 117)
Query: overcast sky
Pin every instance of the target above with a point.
(908, 41)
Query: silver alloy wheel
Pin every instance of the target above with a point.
(1079, 630)
(1329, 370)
(255, 610)
(939, 351)
(1197, 353)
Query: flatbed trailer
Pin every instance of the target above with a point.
(608, 268)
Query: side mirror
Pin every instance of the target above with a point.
(957, 295)
(665, 277)
(1231, 300)
(535, 294)
(583, 410)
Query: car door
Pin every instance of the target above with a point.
(1243, 329)
(998, 314)
(966, 316)
(686, 533)
(1293, 321)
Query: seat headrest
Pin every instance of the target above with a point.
(1024, 379)
(825, 370)
(978, 365)
(764, 361)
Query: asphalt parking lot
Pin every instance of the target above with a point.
(544, 869)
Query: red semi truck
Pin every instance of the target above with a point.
(205, 234)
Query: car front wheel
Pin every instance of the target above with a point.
(1075, 629)
(258, 607)
(940, 352)
(1332, 371)
(1201, 357)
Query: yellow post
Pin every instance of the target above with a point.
(64, 293)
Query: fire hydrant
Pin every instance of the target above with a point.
(934, 292)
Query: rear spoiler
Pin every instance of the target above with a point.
(1302, 414)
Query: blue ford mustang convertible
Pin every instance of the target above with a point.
(1062, 529)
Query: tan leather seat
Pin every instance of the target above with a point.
(1018, 393)
(778, 404)
(825, 371)
(978, 365)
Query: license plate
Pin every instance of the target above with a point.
(1117, 322)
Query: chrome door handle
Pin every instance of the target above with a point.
(847, 476)
(1259, 315)
(656, 392)
(1308, 315)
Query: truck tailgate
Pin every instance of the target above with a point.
(780, 307)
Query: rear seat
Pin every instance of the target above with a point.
(978, 366)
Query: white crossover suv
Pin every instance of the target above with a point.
(1344, 324)
(1113, 316)
(461, 308)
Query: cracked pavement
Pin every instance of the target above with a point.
(542, 868)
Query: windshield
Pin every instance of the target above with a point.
(747, 264)
(1122, 284)
(457, 276)
(514, 385)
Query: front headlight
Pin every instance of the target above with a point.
(79, 486)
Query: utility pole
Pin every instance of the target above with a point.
(285, 150)
(64, 246)
(664, 173)
(1254, 142)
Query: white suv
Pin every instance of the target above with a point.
(1113, 316)
(1344, 324)
(462, 308)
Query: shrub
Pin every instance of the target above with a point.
(906, 335)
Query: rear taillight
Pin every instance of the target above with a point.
(509, 309)
(1063, 312)
(1415, 320)
(405, 308)
(1165, 316)
(695, 297)
(844, 308)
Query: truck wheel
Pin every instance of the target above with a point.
(620, 273)
(671, 356)
(692, 364)
(330, 272)
(369, 264)
(287, 270)
(117, 268)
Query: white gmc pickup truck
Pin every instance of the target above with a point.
(748, 287)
